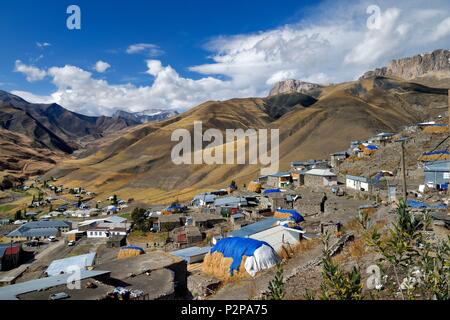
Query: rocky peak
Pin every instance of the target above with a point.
(292, 86)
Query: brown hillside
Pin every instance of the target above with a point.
(138, 164)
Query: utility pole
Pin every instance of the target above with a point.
(448, 187)
(402, 153)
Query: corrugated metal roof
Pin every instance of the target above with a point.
(11, 292)
(280, 174)
(24, 232)
(257, 227)
(205, 197)
(47, 224)
(58, 267)
(191, 252)
(355, 178)
(230, 201)
(441, 166)
(321, 172)
(116, 219)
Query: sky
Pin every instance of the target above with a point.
(138, 55)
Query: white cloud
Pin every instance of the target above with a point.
(151, 50)
(442, 30)
(154, 67)
(332, 44)
(79, 91)
(102, 66)
(43, 44)
(32, 73)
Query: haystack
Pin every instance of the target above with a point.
(254, 187)
(289, 215)
(435, 156)
(129, 252)
(436, 129)
(234, 258)
(218, 266)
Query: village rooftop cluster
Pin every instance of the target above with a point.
(189, 250)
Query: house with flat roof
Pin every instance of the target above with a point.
(279, 180)
(204, 199)
(437, 174)
(67, 265)
(337, 158)
(40, 230)
(358, 183)
(320, 178)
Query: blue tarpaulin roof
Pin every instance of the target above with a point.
(272, 191)
(237, 248)
(422, 205)
(297, 217)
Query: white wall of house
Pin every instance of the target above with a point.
(357, 185)
(277, 236)
(104, 234)
(97, 234)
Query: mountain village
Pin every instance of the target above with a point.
(226, 243)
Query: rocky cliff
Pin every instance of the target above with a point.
(293, 86)
(429, 65)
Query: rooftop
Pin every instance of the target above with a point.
(443, 166)
(125, 269)
(24, 232)
(64, 265)
(11, 292)
(191, 252)
(321, 172)
(257, 227)
(280, 174)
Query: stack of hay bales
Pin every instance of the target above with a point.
(435, 129)
(435, 156)
(254, 187)
(289, 215)
(237, 258)
(129, 252)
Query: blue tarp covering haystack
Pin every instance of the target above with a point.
(436, 153)
(238, 248)
(295, 216)
(415, 204)
(133, 248)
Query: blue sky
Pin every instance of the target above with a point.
(179, 28)
(200, 49)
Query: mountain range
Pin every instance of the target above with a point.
(145, 116)
(314, 121)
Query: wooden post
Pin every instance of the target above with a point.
(405, 191)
